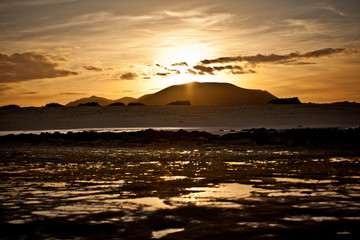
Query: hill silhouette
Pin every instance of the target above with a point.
(100, 100)
(125, 100)
(198, 93)
(207, 93)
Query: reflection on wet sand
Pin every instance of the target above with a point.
(176, 193)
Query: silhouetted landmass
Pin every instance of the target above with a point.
(114, 104)
(11, 106)
(324, 138)
(294, 100)
(136, 104)
(102, 101)
(89, 104)
(54, 105)
(345, 103)
(125, 100)
(208, 93)
(187, 103)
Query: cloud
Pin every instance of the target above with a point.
(92, 68)
(5, 88)
(163, 74)
(35, 3)
(169, 71)
(129, 76)
(202, 70)
(229, 69)
(179, 64)
(191, 72)
(27, 66)
(274, 58)
(71, 93)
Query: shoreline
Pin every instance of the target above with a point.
(309, 138)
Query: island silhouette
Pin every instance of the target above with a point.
(198, 93)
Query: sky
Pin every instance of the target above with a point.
(62, 50)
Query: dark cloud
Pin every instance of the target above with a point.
(71, 93)
(129, 76)
(174, 71)
(163, 74)
(202, 70)
(92, 68)
(29, 66)
(179, 64)
(5, 88)
(274, 58)
(30, 93)
(230, 69)
(191, 72)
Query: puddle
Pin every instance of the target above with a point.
(145, 203)
(170, 178)
(342, 159)
(310, 218)
(307, 181)
(163, 233)
(215, 196)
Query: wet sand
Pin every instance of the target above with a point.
(259, 184)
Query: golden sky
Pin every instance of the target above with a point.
(61, 50)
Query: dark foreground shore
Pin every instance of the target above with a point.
(255, 184)
(327, 138)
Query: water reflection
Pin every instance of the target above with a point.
(259, 188)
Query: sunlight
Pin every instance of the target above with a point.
(186, 78)
(190, 54)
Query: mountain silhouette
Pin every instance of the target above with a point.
(125, 100)
(197, 93)
(207, 93)
(100, 100)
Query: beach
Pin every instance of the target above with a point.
(300, 180)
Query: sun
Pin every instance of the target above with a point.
(190, 54)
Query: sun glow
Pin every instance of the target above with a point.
(190, 54)
(186, 78)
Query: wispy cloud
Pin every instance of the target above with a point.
(179, 64)
(92, 68)
(228, 69)
(27, 3)
(275, 58)
(246, 64)
(129, 76)
(29, 66)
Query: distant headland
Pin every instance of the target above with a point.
(190, 94)
(194, 93)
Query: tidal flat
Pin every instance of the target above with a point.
(260, 184)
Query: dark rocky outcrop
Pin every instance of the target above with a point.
(136, 104)
(116, 104)
(89, 104)
(11, 106)
(186, 103)
(294, 100)
(54, 105)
